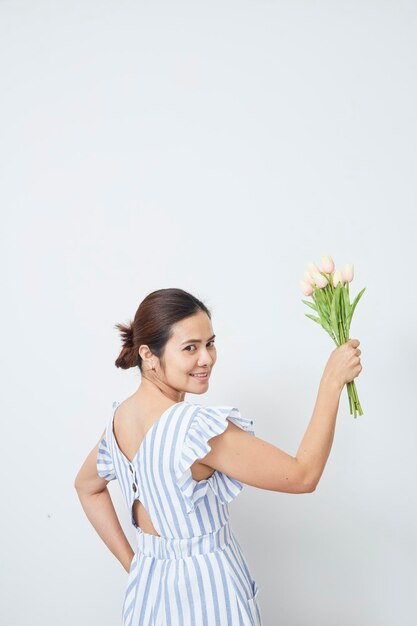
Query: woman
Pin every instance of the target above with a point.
(179, 464)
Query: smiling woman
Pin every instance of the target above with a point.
(187, 568)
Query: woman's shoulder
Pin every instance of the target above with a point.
(214, 418)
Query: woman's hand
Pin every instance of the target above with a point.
(344, 363)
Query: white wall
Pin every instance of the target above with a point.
(217, 147)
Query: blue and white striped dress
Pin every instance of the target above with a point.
(194, 573)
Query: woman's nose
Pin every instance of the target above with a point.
(205, 359)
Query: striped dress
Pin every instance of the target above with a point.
(194, 573)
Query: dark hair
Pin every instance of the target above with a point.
(153, 322)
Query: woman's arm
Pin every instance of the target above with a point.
(317, 442)
(98, 506)
(342, 367)
(256, 462)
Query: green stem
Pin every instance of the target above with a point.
(354, 399)
(350, 402)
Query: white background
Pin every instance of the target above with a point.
(217, 147)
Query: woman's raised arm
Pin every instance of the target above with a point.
(258, 463)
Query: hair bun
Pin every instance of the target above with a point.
(128, 337)
(126, 358)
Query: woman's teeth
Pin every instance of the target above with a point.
(200, 375)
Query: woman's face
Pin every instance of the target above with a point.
(190, 350)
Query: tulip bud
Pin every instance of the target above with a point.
(320, 280)
(306, 288)
(327, 264)
(348, 273)
(337, 278)
(313, 268)
(308, 278)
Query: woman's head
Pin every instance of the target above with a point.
(172, 333)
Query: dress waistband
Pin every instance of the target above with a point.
(177, 548)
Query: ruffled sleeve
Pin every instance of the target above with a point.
(205, 423)
(104, 462)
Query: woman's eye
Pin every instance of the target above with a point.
(193, 346)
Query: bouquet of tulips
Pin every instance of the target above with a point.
(329, 289)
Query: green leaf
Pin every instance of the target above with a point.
(327, 327)
(324, 324)
(346, 302)
(336, 313)
(312, 317)
(334, 310)
(322, 306)
(310, 304)
(355, 302)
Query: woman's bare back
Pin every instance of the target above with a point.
(132, 420)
